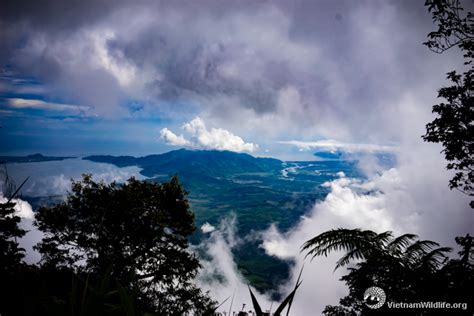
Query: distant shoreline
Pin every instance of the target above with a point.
(31, 158)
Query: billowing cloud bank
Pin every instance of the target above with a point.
(219, 272)
(411, 198)
(201, 137)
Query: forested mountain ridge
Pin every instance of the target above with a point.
(211, 162)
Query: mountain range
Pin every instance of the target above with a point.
(258, 192)
(209, 162)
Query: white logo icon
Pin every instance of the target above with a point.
(374, 297)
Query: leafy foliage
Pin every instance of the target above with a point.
(138, 231)
(454, 127)
(10, 252)
(406, 268)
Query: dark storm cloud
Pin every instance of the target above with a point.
(309, 65)
(191, 69)
(55, 15)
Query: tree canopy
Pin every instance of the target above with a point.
(453, 126)
(135, 232)
(406, 268)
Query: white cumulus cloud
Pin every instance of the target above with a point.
(172, 139)
(202, 137)
(207, 228)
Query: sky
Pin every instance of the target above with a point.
(270, 78)
(264, 77)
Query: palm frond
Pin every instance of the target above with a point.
(413, 253)
(383, 238)
(339, 239)
(357, 244)
(397, 245)
(421, 247)
(354, 254)
(434, 258)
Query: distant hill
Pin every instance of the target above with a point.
(30, 158)
(202, 162)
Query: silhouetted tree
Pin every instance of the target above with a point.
(10, 252)
(137, 232)
(454, 125)
(406, 268)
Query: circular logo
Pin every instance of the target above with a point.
(374, 297)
